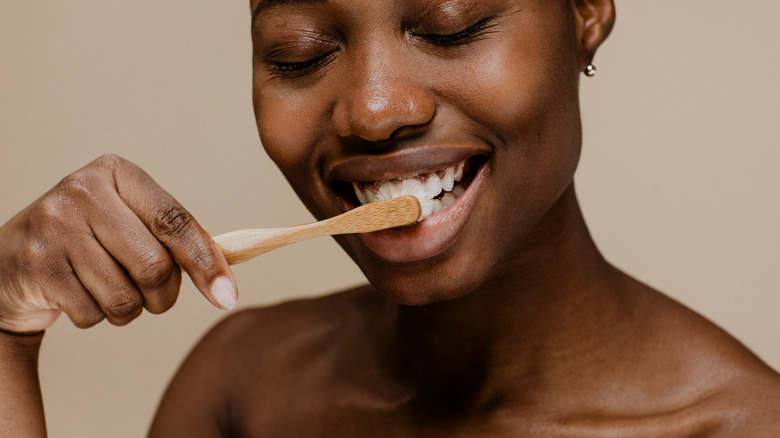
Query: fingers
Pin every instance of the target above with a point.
(178, 232)
(111, 289)
(63, 290)
(105, 242)
(149, 266)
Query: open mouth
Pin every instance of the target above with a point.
(448, 184)
(435, 190)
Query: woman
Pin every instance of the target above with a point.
(496, 316)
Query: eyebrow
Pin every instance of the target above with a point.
(267, 4)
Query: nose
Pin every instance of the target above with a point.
(380, 98)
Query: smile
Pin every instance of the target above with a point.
(447, 181)
(436, 191)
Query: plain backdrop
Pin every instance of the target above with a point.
(678, 179)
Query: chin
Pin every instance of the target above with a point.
(448, 276)
(419, 290)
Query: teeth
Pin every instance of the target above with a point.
(360, 194)
(432, 186)
(447, 199)
(428, 207)
(423, 187)
(457, 191)
(459, 171)
(437, 206)
(449, 180)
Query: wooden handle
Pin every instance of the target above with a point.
(242, 245)
(390, 213)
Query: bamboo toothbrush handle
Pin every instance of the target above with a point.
(242, 245)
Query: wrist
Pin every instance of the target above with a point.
(21, 405)
(22, 334)
(22, 345)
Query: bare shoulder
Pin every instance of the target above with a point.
(257, 358)
(711, 378)
(296, 324)
(745, 392)
(749, 406)
(290, 335)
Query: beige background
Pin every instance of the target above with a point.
(678, 179)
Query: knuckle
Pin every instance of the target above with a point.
(203, 256)
(108, 161)
(36, 260)
(173, 221)
(162, 303)
(85, 184)
(68, 200)
(124, 305)
(30, 256)
(75, 185)
(51, 213)
(160, 299)
(156, 271)
(87, 317)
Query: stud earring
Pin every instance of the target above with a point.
(590, 70)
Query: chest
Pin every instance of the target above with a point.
(335, 420)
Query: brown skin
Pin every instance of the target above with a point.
(105, 243)
(518, 327)
(514, 326)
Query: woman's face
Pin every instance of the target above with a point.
(386, 96)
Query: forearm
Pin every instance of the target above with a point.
(21, 405)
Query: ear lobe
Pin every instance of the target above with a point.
(593, 23)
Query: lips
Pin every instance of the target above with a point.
(446, 181)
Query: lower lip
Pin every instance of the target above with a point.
(429, 237)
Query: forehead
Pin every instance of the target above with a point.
(258, 6)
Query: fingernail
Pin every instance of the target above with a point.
(224, 293)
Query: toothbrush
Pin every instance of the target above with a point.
(242, 245)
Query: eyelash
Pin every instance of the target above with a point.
(299, 68)
(292, 69)
(461, 37)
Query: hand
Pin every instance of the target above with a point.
(106, 242)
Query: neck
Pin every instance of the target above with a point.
(554, 304)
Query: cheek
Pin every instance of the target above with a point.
(287, 127)
(527, 94)
(519, 90)
(524, 97)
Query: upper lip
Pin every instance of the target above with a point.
(398, 164)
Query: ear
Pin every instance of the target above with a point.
(593, 22)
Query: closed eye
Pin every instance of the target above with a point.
(300, 67)
(461, 37)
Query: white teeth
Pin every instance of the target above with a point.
(457, 191)
(459, 171)
(437, 206)
(449, 180)
(428, 207)
(423, 187)
(360, 193)
(447, 200)
(432, 186)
